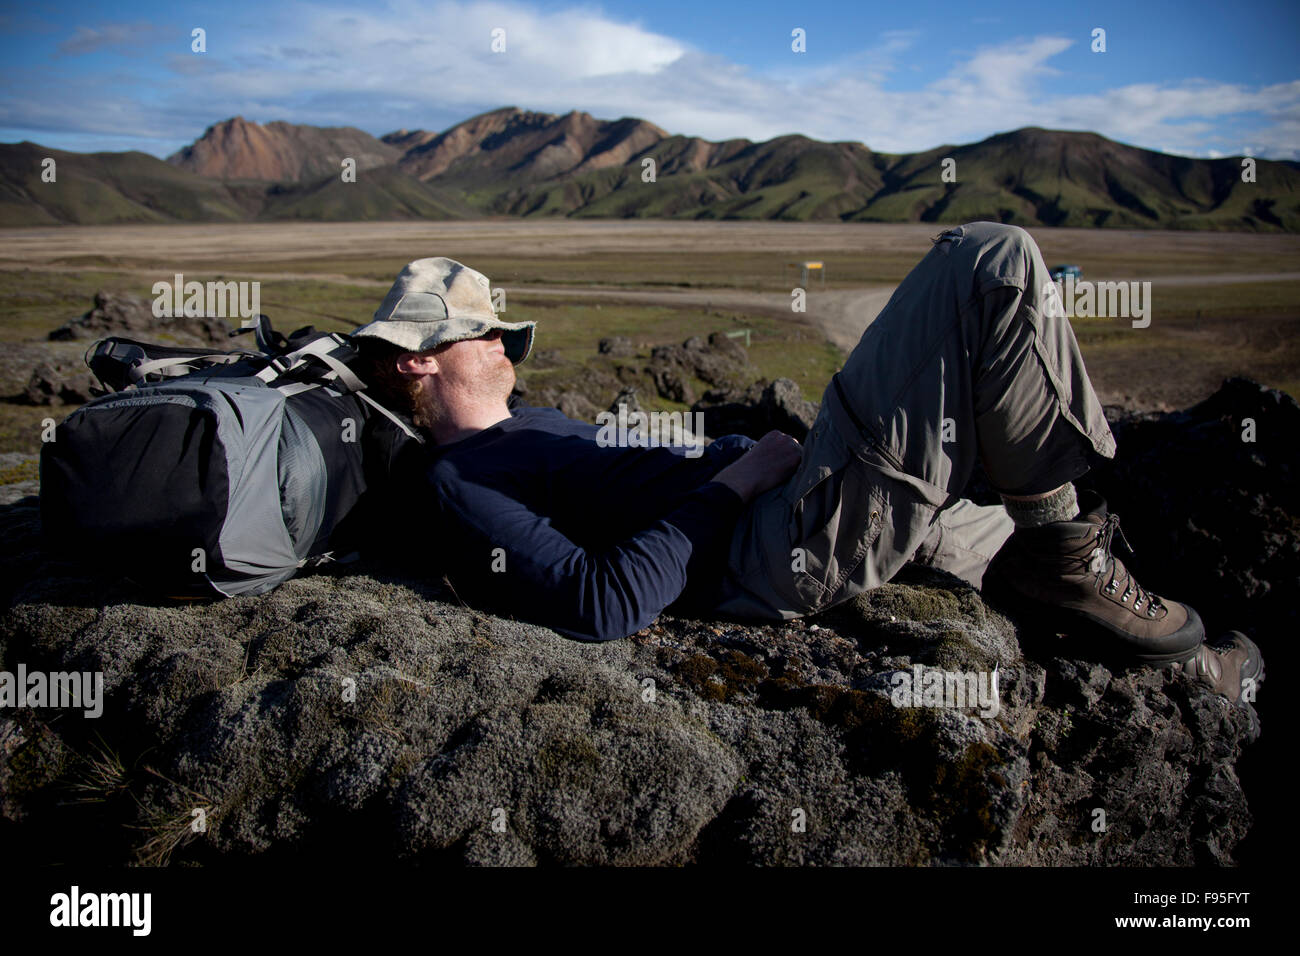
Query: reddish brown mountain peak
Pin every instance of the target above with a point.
(279, 151)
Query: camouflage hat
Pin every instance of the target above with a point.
(436, 301)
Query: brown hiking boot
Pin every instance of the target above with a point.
(1229, 666)
(1066, 577)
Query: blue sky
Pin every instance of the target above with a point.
(1195, 78)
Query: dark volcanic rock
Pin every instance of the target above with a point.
(626, 399)
(719, 362)
(732, 411)
(616, 346)
(787, 410)
(546, 359)
(51, 384)
(117, 313)
(671, 383)
(577, 406)
(728, 349)
(757, 410)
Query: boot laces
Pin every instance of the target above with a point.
(1103, 562)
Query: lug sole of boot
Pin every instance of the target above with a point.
(1253, 669)
(1256, 728)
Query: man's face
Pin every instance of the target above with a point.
(474, 369)
(481, 358)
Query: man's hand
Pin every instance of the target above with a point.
(766, 465)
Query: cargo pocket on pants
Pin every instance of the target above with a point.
(836, 515)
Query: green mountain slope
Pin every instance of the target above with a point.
(1045, 177)
(384, 192)
(100, 188)
(1028, 177)
(518, 163)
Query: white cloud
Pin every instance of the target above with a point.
(1006, 73)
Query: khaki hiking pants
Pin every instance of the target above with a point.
(971, 360)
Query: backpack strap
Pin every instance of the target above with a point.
(289, 389)
(269, 341)
(119, 363)
(342, 373)
(326, 349)
(407, 429)
(167, 366)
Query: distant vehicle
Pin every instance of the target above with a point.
(1060, 272)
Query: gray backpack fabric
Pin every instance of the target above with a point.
(217, 473)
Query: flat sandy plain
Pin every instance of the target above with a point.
(502, 237)
(1222, 303)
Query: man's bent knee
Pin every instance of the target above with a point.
(992, 233)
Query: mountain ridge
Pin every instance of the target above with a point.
(514, 162)
(279, 151)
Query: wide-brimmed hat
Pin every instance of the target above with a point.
(438, 300)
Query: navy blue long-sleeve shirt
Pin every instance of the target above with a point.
(539, 520)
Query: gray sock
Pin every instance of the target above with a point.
(1061, 505)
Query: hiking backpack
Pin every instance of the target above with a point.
(210, 473)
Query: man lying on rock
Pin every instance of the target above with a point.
(972, 357)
